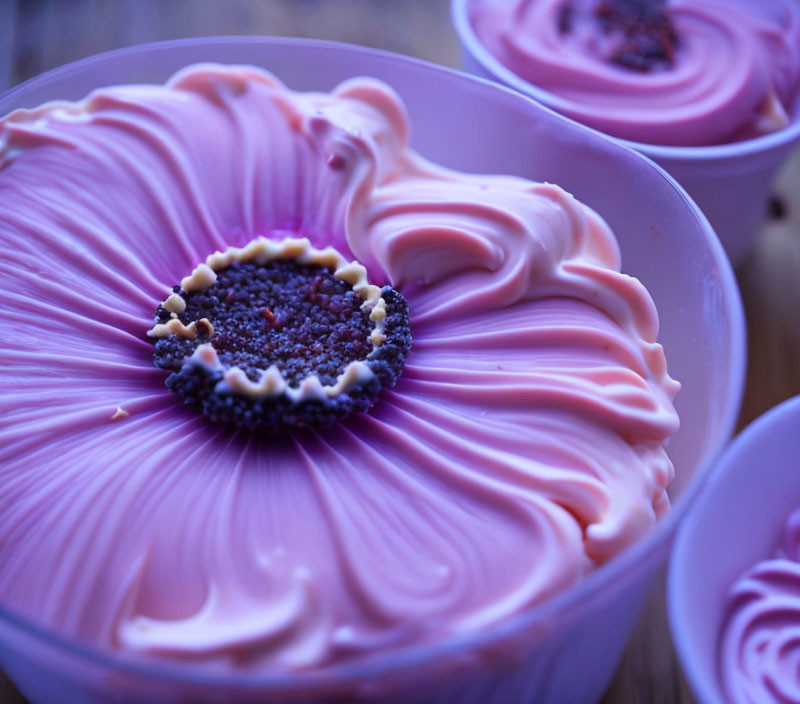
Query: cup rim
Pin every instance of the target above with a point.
(705, 683)
(459, 13)
(617, 570)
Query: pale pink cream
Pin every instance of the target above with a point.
(522, 448)
(736, 73)
(759, 650)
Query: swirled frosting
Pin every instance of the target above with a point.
(759, 657)
(522, 447)
(735, 75)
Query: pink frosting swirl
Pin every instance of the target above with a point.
(522, 447)
(736, 72)
(759, 657)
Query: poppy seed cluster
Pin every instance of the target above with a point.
(297, 317)
(641, 34)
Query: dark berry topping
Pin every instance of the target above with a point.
(299, 318)
(776, 208)
(641, 33)
(566, 18)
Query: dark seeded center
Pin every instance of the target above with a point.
(298, 317)
(640, 33)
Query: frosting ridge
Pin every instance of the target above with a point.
(759, 647)
(522, 447)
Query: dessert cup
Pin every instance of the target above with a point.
(736, 523)
(471, 125)
(730, 182)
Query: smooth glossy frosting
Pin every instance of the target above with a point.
(736, 73)
(522, 447)
(759, 656)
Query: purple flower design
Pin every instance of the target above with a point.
(522, 446)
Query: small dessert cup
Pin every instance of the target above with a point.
(730, 182)
(736, 523)
(473, 125)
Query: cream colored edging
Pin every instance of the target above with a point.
(271, 382)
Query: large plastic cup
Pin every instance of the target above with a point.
(736, 523)
(730, 182)
(565, 649)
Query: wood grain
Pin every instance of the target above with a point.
(47, 33)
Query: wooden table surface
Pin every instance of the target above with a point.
(36, 35)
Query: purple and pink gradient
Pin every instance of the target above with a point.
(735, 75)
(759, 649)
(522, 447)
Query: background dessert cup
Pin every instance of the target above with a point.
(737, 522)
(666, 243)
(730, 182)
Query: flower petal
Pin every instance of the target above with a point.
(147, 181)
(549, 394)
(523, 445)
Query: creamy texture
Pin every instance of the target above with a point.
(759, 658)
(736, 73)
(521, 448)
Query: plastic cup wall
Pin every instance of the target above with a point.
(731, 190)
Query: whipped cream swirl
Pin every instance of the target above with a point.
(735, 74)
(759, 657)
(523, 446)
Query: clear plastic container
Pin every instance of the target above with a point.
(566, 649)
(735, 524)
(730, 182)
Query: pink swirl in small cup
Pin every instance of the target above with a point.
(759, 652)
(734, 74)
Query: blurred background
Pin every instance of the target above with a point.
(37, 35)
